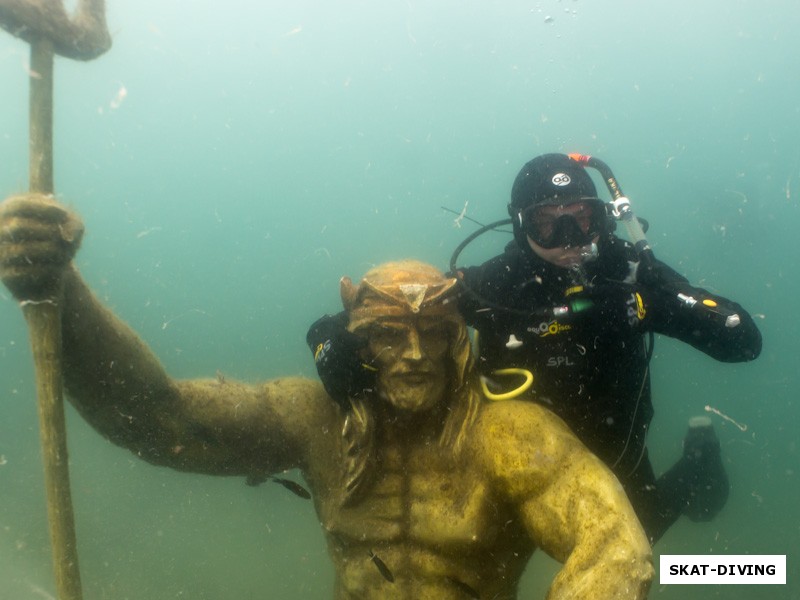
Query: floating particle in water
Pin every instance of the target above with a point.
(122, 93)
(461, 215)
(548, 19)
(711, 409)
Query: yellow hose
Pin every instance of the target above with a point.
(513, 393)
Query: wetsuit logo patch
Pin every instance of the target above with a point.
(558, 361)
(636, 311)
(552, 328)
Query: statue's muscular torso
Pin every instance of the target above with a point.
(426, 518)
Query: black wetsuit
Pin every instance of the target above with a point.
(591, 366)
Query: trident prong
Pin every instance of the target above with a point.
(83, 36)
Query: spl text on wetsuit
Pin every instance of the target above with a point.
(723, 569)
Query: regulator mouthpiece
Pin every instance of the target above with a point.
(589, 253)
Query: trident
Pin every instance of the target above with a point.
(83, 36)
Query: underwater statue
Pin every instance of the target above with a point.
(424, 489)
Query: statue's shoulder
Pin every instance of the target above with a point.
(510, 431)
(296, 396)
(518, 417)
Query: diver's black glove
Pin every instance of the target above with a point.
(337, 355)
(612, 306)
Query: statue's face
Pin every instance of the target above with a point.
(411, 357)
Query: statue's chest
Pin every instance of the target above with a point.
(423, 497)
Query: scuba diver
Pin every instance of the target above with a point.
(577, 306)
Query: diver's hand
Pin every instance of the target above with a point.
(337, 354)
(38, 239)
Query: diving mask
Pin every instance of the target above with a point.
(556, 224)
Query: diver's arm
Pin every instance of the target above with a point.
(483, 286)
(468, 304)
(712, 324)
(569, 502)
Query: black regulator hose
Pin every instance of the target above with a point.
(622, 206)
(460, 248)
(454, 272)
(623, 211)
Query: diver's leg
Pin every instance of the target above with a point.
(698, 479)
(656, 512)
(695, 486)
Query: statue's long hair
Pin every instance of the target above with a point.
(404, 290)
(360, 432)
